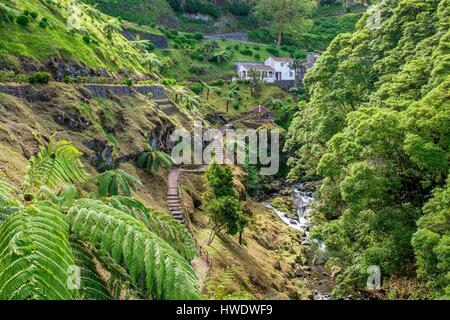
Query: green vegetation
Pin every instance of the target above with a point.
(40, 77)
(70, 232)
(151, 160)
(223, 204)
(46, 29)
(286, 16)
(375, 130)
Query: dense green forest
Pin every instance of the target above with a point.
(95, 206)
(375, 130)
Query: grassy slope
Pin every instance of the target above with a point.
(36, 43)
(138, 11)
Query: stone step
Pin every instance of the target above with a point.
(174, 208)
(173, 201)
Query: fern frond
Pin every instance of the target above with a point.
(148, 259)
(8, 202)
(35, 255)
(162, 224)
(64, 198)
(114, 182)
(92, 285)
(55, 166)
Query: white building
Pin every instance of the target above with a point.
(271, 70)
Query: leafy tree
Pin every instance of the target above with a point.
(285, 16)
(374, 131)
(223, 203)
(115, 182)
(68, 232)
(256, 83)
(111, 26)
(232, 95)
(152, 160)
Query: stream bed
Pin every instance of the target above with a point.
(301, 205)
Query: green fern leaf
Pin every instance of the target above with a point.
(132, 245)
(92, 285)
(55, 166)
(35, 255)
(160, 223)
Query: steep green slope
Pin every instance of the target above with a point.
(376, 130)
(67, 31)
(138, 11)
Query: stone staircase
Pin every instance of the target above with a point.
(173, 196)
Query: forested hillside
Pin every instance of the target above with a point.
(376, 130)
(99, 100)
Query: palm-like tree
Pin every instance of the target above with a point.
(115, 182)
(152, 160)
(111, 26)
(7, 14)
(152, 62)
(232, 95)
(139, 44)
(209, 88)
(256, 82)
(222, 56)
(52, 243)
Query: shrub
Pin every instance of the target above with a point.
(218, 82)
(198, 70)
(273, 51)
(238, 7)
(168, 81)
(11, 76)
(247, 52)
(40, 77)
(284, 48)
(257, 48)
(298, 55)
(68, 79)
(257, 56)
(199, 6)
(128, 82)
(42, 24)
(197, 88)
(87, 39)
(23, 20)
(198, 36)
(236, 47)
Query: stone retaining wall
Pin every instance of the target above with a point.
(32, 93)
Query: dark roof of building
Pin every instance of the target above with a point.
(248, 63)
(260, 109)
(260, 68)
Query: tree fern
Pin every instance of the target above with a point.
(152, 160)
(7, 14)
(55, 166)
(35, 254)
(92, 286)
(162, 224)
(115, 182)
(148, 259)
